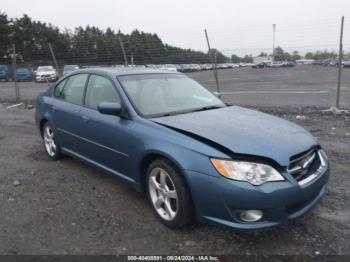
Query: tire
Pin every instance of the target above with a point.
(51, 145)
(171, 200)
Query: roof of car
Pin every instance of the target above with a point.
(119, 71)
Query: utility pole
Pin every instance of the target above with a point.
(340, 61)
(54, 59)
(273, 42)
(213, 61)
(14, 69)
(123, 50)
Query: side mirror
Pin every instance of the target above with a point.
(110, 108)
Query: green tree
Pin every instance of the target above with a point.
(295, 56)
(279, 54)
(309, 55)
(5, 30)
(235, 59)
(262, 54)
(247, 59)
(90, 45)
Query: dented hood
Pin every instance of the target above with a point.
(245, 131)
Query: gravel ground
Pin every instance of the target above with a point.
(66, 207)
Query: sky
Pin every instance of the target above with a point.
(240, 27)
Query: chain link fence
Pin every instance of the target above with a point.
(283, 65)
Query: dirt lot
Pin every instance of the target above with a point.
(66, 207)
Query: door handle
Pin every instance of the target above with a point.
(85, 118)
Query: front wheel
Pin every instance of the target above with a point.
(169, 195)
(51, 146)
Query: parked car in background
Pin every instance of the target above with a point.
(288, 64)
(69, 68)
(346, 63)
(186, 68)
(208, 66)
(171, 67)
(203, 67)
(195, 156)
(260, 65)
(333, 62)
(178, 67)
(195, 67)
(168, 67)
(151, 66)
(46, 73)
(6, 73)
(25, 74)
(275, 65)
(246, 64)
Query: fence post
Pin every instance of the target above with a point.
(340, 62)
(123, 50)
(54, 59)
(273, 42)
(132, 60)
(213, 61)
(14, 74)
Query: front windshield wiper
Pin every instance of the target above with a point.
(204, 108)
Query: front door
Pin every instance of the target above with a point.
(106, 137)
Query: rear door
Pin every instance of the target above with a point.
(106, 137)
(66, 110)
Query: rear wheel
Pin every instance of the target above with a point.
(168, 194)
(51, 146)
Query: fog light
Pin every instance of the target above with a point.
(251, 215)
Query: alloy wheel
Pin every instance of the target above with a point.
(49, 141)
(163, 194)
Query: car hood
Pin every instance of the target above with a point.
(244, 131)
(45, 72)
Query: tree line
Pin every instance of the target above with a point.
(89, 45)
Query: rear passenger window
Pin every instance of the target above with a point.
(73, 90)
(100, 89)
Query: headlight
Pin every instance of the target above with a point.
(254, 173)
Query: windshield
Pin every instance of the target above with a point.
(22, 70)
(45, 68)
(165, 94)
(3, 68)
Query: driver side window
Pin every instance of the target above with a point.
(100, 89)
(72, 89)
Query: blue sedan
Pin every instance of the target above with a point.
(196, 157)
(24, 74)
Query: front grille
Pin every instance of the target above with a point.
(305, 164)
